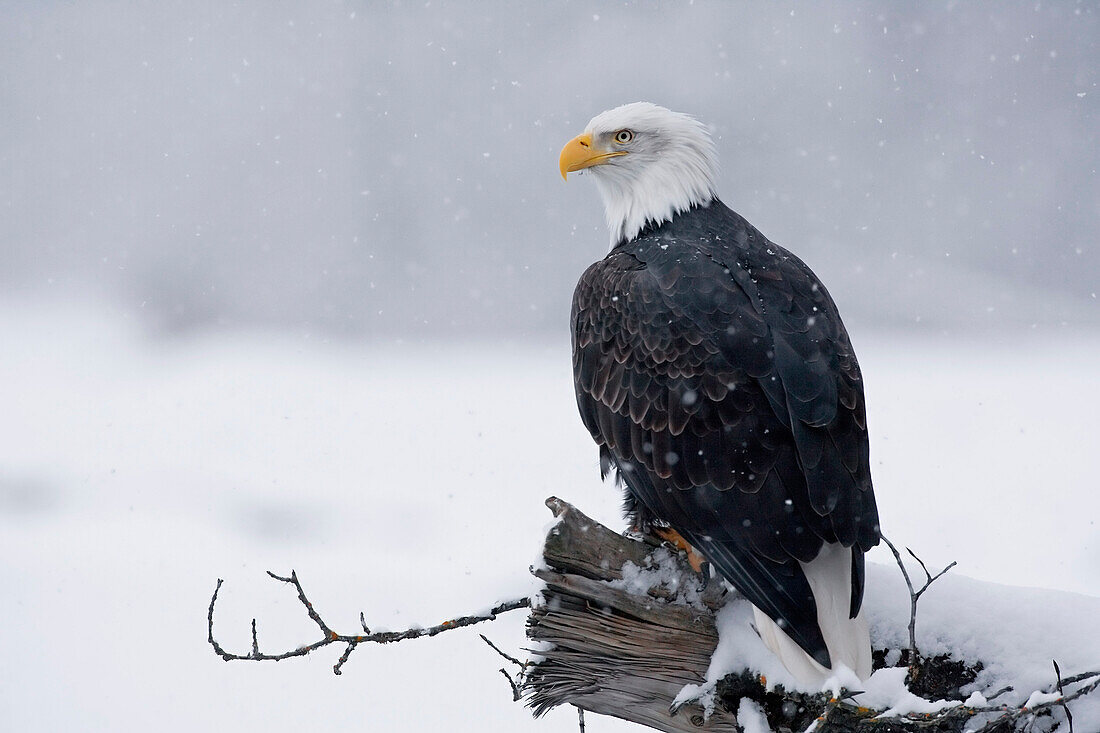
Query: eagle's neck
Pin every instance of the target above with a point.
(634, 199)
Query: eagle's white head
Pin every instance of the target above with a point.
(650, 163)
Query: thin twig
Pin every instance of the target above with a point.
(932, 578)
(509, 657)
(516, 693)
(1013, 714)
(1078, 678)
(293, 580)
(336, 668)
(1010, 714)
(923, 567)
(914, 595)
(1062, 694)
(351, 640)
(517, 683)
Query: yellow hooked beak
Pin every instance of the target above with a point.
(579, 154)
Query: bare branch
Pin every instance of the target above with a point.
(293, 580)
(1062, 693)
(1012, 714)
(351, 640)
(914, 595)
(517, 683)
(509, 657)
(897, 557)
(336, 668)
(932, 578)
(516, 693)
(210, 620)
(1078, 678)
(923, 567)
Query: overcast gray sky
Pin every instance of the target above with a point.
(370, 168)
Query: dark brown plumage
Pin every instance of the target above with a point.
(713, 370)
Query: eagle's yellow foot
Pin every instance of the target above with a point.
(677, 540)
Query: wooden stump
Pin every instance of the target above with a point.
(613, 642)
(610, 650)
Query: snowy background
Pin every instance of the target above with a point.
(284, 287)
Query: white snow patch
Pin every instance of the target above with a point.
(885, 690)
(704, 695)
(751, 718)
(1041, 698)
(1014, 632)
(976, 700)
(662, 571)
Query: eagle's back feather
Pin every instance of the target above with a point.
(713, 369)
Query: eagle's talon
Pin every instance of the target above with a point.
(676, 541)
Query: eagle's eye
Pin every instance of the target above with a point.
(624, 136)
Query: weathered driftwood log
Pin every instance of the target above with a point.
(614, 652)
(608, 649)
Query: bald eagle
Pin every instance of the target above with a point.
(712, 369)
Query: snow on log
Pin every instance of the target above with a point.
(626, 630)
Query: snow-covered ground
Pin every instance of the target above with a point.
(407, 481)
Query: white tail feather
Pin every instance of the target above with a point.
(848, 639)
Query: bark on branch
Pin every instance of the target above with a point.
(351, 641)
